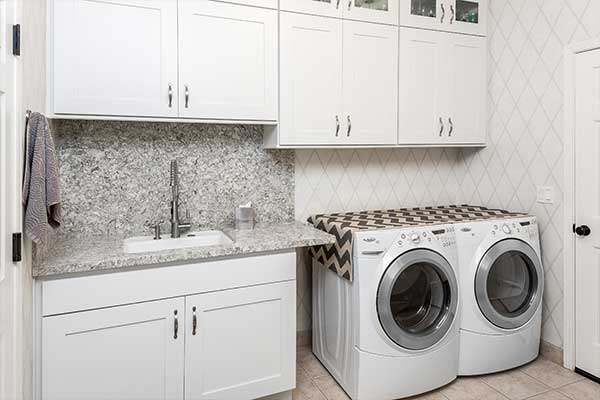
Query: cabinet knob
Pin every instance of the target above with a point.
(443, 13)
(452, 16)
(170, 95)
(187, 96)
(337, 126)
(337, 5)
(441, 126)
(349, 4)
(175, 325)
(451, 127)
(194, 321)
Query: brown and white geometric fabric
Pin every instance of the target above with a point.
(338, 256)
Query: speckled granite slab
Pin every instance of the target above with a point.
(101, 253)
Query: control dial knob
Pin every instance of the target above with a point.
(415, 238)
(506, 229)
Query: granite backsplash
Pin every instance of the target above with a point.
(115, 175)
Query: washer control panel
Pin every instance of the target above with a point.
(526, 228)
(444, 236)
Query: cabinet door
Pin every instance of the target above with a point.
(240, 343)
(379, 11)
(421, 118)
(429, 14)
(465, 89)
(114, 57)
(370, 86)
(311, 80)
(128, 352)
(327, 8)
(468, 16)
(228, 61)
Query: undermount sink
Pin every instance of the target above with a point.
(145, 244)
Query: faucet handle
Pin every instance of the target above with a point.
(157, 232)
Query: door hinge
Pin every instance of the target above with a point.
(16, 247)
(16, 33)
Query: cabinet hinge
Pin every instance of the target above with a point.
(16, 43)
(16, 247)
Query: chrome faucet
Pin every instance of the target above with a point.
(177, 227)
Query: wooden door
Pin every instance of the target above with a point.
(11, 282)
(421, 86)
(114, 57)
(240, 343)
(587, 204)
(311, 80)
(370, 86)
(227, 61)
(465, 89)
(119, 353)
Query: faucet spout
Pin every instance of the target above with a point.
(177, 227)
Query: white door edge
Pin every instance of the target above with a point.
(571, 51)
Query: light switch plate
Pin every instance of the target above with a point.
(545, 194)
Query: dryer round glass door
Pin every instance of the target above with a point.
(417, 299)
(509, 284)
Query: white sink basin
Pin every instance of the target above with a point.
(145, 244)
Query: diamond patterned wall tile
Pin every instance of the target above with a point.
(526, 42)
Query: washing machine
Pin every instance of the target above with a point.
(502, 282)
(394, 331)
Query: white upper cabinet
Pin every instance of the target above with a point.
(240, 343)
(311, 80)
(462, 16)
(127, 352)
(379, 11)
(227, 61)
(465, 96)
(116, 57)
(370, 100)
(442, 88)
(422, 60)
(327, 8)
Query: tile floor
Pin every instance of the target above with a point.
(539, 380)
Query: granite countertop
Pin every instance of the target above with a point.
(76, 255)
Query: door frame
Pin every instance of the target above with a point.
(569, 212)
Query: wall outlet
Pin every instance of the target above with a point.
(545, 194)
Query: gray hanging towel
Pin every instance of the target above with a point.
(41, 185)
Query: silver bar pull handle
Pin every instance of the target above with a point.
(175, 325)
(349, 126)
(443, 13)
(452, 17)
(337, 126)
(194, 321)
(441, 126)
(170, 95)
(451, 127)
(187, 96)
(349, 4)
(337, 5)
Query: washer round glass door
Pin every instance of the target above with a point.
(417, 299)
(509, 284)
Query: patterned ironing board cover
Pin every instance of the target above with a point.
(338, 256)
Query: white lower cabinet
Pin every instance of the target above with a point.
(233, 340)
(238, 341)
(127, 352)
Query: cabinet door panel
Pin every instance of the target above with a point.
(114, 57)
(326, 8)
(311, 79)
(378, 11)
(228, 61)
(370, 83)
(466, 84)
(243, 346)
(126, 352)
(424, 13)
(421, 86)
(468, 16)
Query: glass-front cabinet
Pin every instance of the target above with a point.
(379, 11)
(463, 16)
